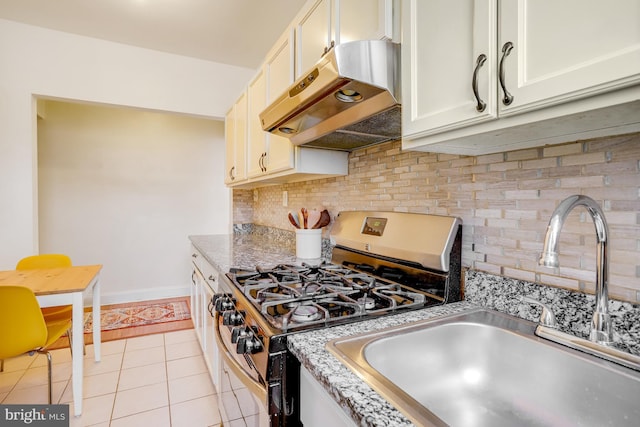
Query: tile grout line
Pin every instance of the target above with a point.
(115, 394)
(166, 372)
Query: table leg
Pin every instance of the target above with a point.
(78, 357)
(96, 321)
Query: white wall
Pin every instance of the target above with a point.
(47, 63)
(123, 188)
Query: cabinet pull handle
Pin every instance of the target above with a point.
(328, 48)
(264, 166)
(481, 105)
(506, 50)
(231, 173)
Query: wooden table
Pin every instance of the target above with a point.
(64, 286)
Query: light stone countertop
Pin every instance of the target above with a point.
(266, 247)
(242, 251)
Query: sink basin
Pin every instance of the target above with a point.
(484, 368)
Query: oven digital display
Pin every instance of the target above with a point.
(374, 226)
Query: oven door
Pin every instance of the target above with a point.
(242, 397)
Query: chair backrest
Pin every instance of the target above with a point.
(44, 261)
(22, 326)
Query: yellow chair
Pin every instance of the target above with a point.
(23, 328)
(51, 314)
(44, 261)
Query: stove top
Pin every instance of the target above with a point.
(292, 297)
(381, 263)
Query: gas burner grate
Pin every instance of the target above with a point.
(293, 297)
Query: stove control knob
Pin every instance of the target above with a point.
(224, 302)
(233, 317)
(237, 333)
(250, 343)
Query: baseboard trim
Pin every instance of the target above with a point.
(146, 294)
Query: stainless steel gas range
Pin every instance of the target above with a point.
(382, 263)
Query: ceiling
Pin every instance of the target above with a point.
(236, 32)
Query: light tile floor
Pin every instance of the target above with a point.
(159, 380)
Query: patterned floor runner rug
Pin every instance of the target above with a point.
(123, 316)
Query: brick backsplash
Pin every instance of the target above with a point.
(505, 201)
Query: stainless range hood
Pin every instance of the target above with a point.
(348, 100)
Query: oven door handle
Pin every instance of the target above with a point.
(254, 386)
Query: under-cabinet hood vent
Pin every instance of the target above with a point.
(348, 100)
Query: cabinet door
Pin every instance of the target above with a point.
(241, 138)
(441, 50)
(196, 303)
(362, 20)
(230, 149)
(317, 407)
(235, 125)
(279, 67)
(567, 50)
(313, 35)
(238, 144)
(257, 138)
(210, 275)
(213, 355)
(211, 346)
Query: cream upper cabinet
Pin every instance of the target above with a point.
(448, 54)
(229, 137)
(235, 138)
(269, 153)
(271, 159)
(362, 20)
(280, 71)
(326, 23)
(313, 34)
(565, 50)
(491, 76)
(257, 138)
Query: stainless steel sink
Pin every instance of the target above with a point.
(484, 368)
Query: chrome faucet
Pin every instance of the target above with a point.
(601, 325)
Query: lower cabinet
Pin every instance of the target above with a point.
(317, 407)
(204, 278)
